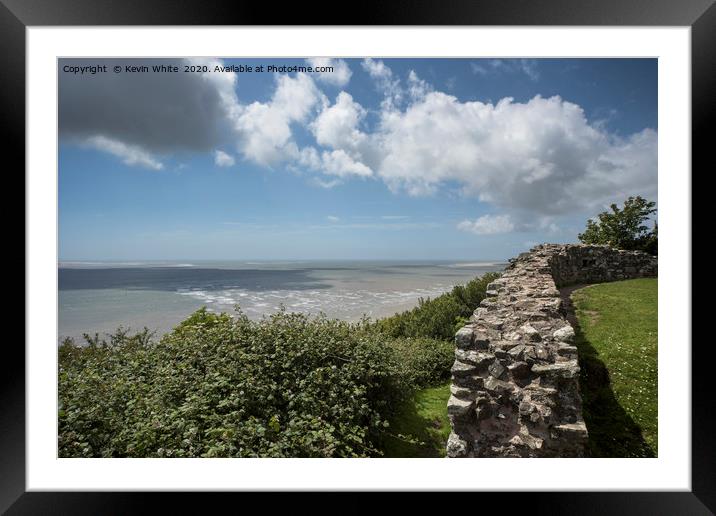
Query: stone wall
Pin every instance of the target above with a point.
(515, 380)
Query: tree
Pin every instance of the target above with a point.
(624, 228)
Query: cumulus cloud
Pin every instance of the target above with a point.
(335, 163)
(157, 112)
(488, 225)
(340, 164)
(541, 156)
(131, 155)
(337, 125)
(534, 160)
(265, 135)
(161, 113)
(341, 74)
(384, 80)
(222, 159)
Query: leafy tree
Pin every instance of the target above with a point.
(624, 228)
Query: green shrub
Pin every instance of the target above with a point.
(423, 362)
(289, 385)
(286, 386)
(441, 317)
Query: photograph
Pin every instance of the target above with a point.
(411, 250)
(357, 257)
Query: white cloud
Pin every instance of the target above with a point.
(129, 154)
(335, 163)
(310, 158)
(265, 134)
(541, 156)
(341, 74)
(295, 96)
(337, 125)
(385, 81)
(417, 88)
(534, 160)
(327, 184)
(332, 218)
(340, 164)
(488, 225)
(222, 159)
(537, 158)
(376, 68)
(265, 128)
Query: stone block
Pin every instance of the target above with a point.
(464, 337)
(564, 334)
(477, 358)
(462, 369)
(568, 369)
(496, 369)
(459, 407)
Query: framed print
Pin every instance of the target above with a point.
(416, 250)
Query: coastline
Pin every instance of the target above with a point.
(102, 298)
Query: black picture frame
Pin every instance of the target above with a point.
(17, 15)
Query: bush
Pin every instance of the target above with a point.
(423, 362)
(287, 386)
(441, 317)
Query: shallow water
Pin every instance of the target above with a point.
(101, 296)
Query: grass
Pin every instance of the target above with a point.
(421, 428)
(617, 342)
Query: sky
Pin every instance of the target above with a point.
(457, 159)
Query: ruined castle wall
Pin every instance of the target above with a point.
(515, 380)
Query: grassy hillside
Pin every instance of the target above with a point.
(617, 342)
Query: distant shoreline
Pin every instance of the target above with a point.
(101, 298)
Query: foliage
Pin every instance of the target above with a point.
(617, 342)
(286, 386)
(441, 317)
(624, 228)
(289, 385)
(423, 361)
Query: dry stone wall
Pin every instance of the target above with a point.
(515, 380)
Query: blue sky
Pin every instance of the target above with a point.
(380, 159)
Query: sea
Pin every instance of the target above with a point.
(99, 297)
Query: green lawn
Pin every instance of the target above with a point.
(421, 428)
(617, 342)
